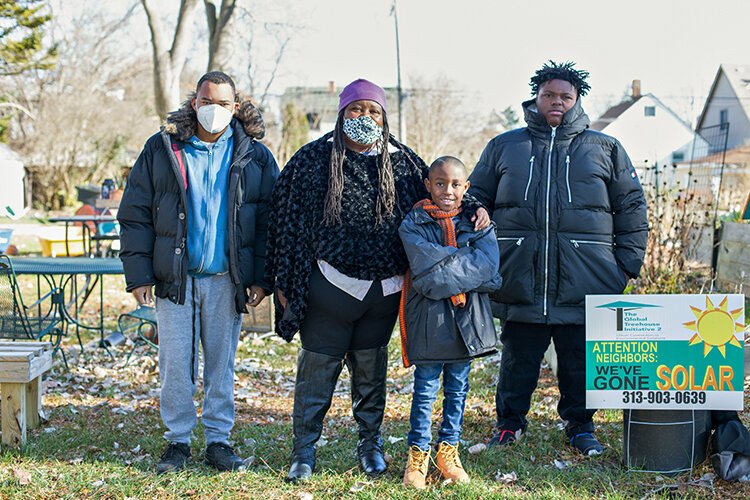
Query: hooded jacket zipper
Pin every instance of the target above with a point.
(183, 198)
(518, 240)
(578, 243)
(207, 190)
(546, 222)
(528, 184)
(567, 177)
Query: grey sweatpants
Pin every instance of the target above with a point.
(208, 316)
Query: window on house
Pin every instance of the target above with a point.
(678, 156)
(649, 111)
(724, 116)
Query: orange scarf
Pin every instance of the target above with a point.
(445, 219)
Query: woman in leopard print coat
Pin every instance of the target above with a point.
(337, 263)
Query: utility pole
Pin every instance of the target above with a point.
(401, 120)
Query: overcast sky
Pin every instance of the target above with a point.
(491, 48)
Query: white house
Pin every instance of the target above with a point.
(729, 102)
(12, 193)
(650, 131)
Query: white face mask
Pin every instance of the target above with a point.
(214, 118)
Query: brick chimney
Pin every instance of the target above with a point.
(636, 89)
(331, 87)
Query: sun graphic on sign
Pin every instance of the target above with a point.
(715, 326)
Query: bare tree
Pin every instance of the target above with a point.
(169, 60)
(259, 83)
(294, 132)
(429, 109)
(232, 35)
(222, 25)
(439, 122)
(90, 114)
(257, 37)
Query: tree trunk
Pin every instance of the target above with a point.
(169, 61)
(222, 26)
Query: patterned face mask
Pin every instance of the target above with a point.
(363, 130)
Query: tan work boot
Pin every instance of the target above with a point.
(415, 474)
(449, 464)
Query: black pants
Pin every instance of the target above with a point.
(336, 322)
(523, 349)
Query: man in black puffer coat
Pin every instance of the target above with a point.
(194, 220)
(571, 221)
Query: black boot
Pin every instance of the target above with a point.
(368, 369)
(316, 380)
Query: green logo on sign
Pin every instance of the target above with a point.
(620, 306)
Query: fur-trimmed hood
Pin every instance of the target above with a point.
(183, 123)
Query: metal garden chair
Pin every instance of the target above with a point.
(142, 321)
(19, 321)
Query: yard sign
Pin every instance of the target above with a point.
(665, 351)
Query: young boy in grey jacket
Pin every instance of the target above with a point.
(445, 314)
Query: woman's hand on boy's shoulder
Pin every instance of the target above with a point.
(481, 219)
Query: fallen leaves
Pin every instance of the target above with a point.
(248, 447)
(477, 448)
(360, 486)
(506, 478)
(562, 464)
(708, 477)
(122, 410)
(22, 476)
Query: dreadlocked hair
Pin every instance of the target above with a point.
(386, 186)
(560, 71)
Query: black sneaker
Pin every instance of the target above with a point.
(223, 457)
(505, 437)
(174, 458)
(587, 444)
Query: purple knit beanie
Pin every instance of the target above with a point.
(361, 89)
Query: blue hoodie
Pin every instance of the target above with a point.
(208, 176)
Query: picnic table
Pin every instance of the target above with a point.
(61, 273)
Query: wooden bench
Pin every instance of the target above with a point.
(22, 365)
